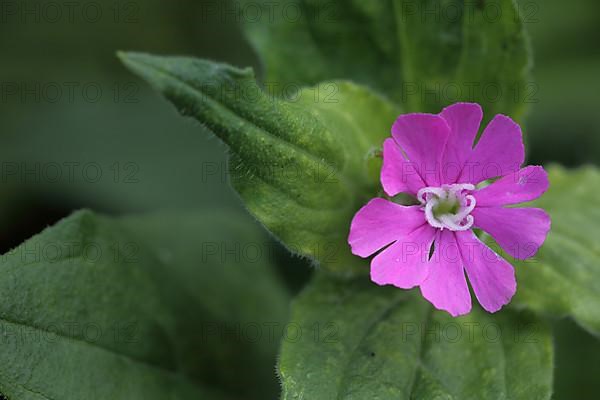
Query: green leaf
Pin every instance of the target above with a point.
(304, 166)
(134, 308)
(424, 54)
(306, 42)
(360, 341)
(564, 276)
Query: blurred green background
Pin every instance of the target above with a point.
(78, 130)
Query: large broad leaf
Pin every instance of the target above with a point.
(360, 341)
(421, 53)
(564, 277)
(139, 308)
(304, 166)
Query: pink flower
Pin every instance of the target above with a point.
(431, 245)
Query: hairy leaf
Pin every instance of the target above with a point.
(424, 54)
(303, 166)
(361, 341)
(135, 308)
(564, 276)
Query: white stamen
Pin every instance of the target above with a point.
(432, 197)
(429, 214)
(464, 212)
(459, 187)
(439, 192)
(451, 223)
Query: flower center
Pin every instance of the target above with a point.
(448, 206)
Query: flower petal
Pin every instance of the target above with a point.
(498, 152)
(397, 173)
(446, 287)
(464, 120)
(519, 231)
(405, 263)
(423, 138)
(381, 222)
(492, 277)
(527, 184)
